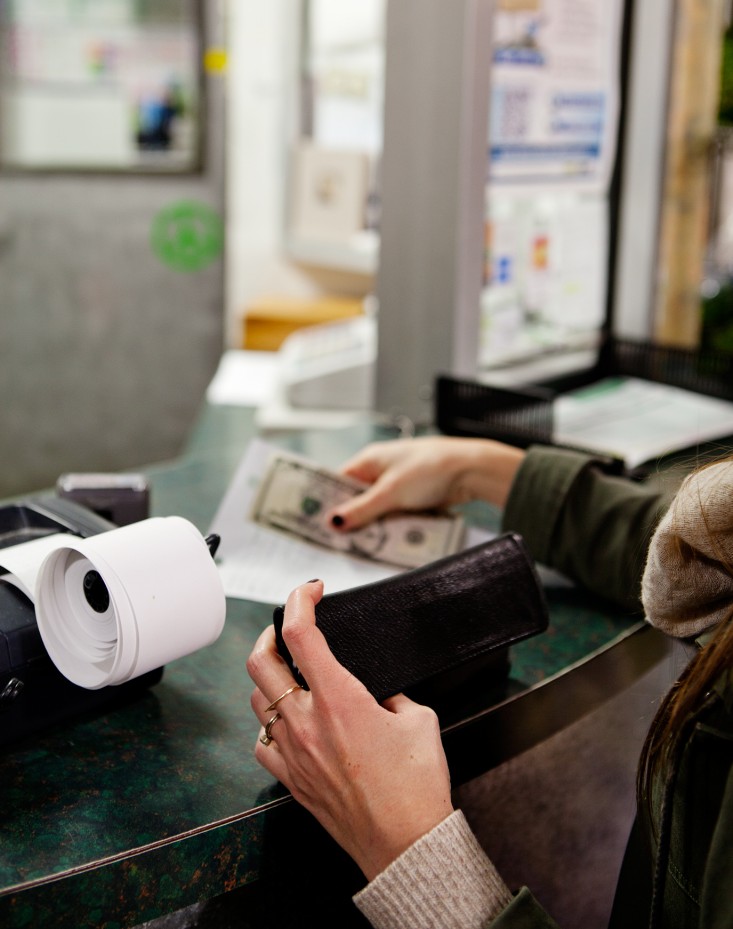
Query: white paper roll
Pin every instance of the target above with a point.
(116, 605)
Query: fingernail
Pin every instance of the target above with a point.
(337, 520)
(314, 580)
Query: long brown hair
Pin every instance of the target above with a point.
(675, 717)
(670, 728)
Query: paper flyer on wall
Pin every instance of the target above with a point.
(555, 92)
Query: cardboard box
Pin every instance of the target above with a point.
(269, 320)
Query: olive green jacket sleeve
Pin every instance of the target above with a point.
(591, 526)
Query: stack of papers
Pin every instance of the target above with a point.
(639, 420)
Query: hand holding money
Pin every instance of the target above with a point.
(296, 496)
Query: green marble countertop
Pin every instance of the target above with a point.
(114, 819)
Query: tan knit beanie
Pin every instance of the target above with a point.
(687, 587)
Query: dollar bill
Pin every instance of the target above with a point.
(296, 496)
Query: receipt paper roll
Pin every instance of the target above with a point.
(116, 605)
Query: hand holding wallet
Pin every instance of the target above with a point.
(424, 631)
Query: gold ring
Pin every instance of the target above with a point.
(282, 697)
(267, 737)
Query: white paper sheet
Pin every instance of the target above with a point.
(23, 561)
(244, 378)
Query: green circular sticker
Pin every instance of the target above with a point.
(187, 235)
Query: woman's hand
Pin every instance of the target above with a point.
(375, 776)
(428, 472)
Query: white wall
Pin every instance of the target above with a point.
(261, 80)
(641, 197)
(262, 87)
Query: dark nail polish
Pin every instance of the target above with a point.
(314, 580)
(337, 520)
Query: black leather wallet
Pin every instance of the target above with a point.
(428, 631)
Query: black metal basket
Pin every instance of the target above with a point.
(524, 415)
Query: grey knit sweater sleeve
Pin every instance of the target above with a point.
(443, 880)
